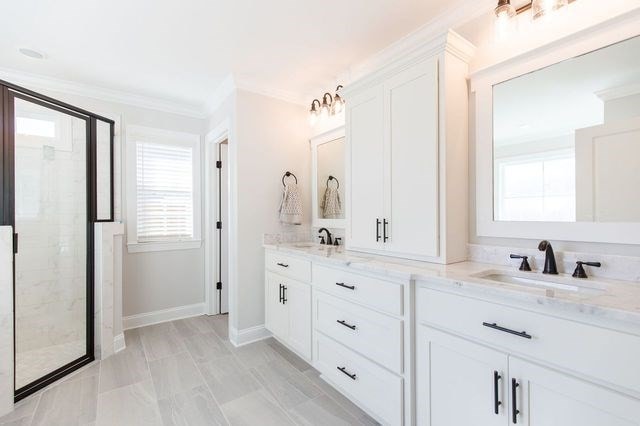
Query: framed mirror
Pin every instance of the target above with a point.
(328, 185)
(558, 144)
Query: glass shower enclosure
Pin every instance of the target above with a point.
(57, 175)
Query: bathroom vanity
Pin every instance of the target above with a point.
(469, 343)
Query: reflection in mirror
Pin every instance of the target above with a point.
(330, 179)
(567, 140)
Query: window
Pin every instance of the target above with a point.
(163, 187)
(537, 188)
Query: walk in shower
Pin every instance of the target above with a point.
(57, 175)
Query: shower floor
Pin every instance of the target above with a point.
(31, 365)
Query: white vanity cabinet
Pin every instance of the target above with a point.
(479, 362)
(406, 132)
(288, 301)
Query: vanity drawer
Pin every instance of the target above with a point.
(379, 294)
(289, 266)
(603, 354)
(374, 335)
(377, 390)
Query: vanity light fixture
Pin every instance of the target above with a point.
(330, 105)
(506, 12)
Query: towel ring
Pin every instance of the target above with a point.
(333, 178)
(286, 175)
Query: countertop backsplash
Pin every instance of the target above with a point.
(301, 234)
(614, 267)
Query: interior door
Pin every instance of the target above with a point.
(412, 210)
(365, 159)
(459, 383)
(298, 297)
(50, 182)
(545, 397)
(277, 314)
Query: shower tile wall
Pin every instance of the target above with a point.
(51, 263)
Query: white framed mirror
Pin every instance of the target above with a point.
(558, 141)
(327, 179)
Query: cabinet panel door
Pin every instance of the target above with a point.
(457, 381)
(298, 297)
(546, 397)
(276, 312)
(365, 163)
(411, 107)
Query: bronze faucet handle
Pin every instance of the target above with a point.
(580, 272)
(524, 266)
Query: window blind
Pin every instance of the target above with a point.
(164, 192)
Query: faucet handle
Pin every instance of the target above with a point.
(580, 272)
(524, 266)
(336, 241)
(322, 241)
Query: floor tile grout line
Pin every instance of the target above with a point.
(209, 389)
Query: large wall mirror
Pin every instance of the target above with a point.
(564, 149)
(328, 171)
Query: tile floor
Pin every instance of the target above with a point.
(186, 372)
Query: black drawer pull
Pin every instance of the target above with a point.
(514, 401)
(353, 327)
(284, 294)
(385, 223)
(283, 265)
(281, 286)
(350, 287)
(496, 396)
(507, 330)
(377, 230)
(344, 371)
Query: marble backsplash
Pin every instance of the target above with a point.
(614, 267)
(300, 234)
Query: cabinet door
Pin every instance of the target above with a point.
(276, 312)
(298, 299)
(365, 134)
(411, 188)
(459, 383)
(546, 397)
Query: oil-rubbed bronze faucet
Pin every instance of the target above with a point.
(550, 258)
(329, 239)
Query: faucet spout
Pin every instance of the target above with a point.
(329, 240)
(550, 258)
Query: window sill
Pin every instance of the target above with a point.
(160, 246)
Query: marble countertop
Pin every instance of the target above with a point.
(598, 298)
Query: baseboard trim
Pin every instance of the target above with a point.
(248, 335)
(164, 315)
(118, 343)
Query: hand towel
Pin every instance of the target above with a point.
(291, 205)
(331, 204)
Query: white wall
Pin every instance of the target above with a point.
(269, 137)
(583, 14)
(152, 280)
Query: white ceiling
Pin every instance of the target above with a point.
(183, 50)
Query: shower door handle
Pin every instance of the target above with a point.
(15, 243)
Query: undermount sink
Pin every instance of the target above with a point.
(304, 245)
(531, 279)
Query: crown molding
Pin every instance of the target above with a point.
(460, 13)
(271, 92)
(41, 82)
(618, 92)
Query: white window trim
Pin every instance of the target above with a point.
(177, 138)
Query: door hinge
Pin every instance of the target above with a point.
(218, 164)
(218, 225)
(218, 285)
(15, 243)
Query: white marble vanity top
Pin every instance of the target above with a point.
(598, 298)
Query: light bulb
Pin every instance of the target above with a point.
(324, 112)
(313, 118)
(505, 20)
(541, 8)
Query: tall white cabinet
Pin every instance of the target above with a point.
(407, 155)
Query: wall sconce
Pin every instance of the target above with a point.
(506, 13)
(330, 105)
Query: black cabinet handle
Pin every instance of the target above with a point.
(385, 222)
(496, 396)
(353, 327)
(280, 300)
(283, 265)
(344, 371)
(507, 330)
(377, 230)
(284, 294)
(350, 287)
(514, 401)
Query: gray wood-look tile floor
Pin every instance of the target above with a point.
(186, 372)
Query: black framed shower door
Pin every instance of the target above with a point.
(48, 185)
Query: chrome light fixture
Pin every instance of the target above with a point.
(330, 105)
(540, 8)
